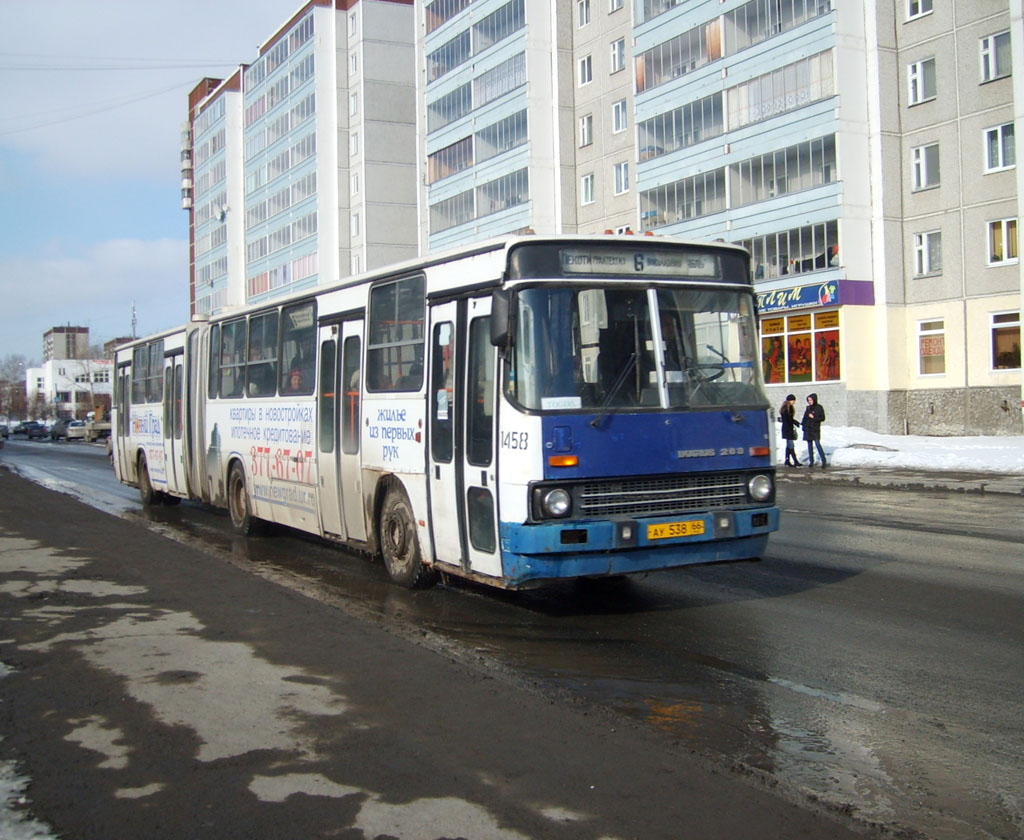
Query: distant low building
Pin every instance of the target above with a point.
(68, 387)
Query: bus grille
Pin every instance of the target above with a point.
(661, 496)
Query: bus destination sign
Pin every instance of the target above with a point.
(651, 262)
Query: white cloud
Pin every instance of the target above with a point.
(94, 288)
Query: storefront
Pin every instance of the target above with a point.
(801, 331)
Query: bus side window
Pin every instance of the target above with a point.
(140, 366)
(232, 358)
(261, 372)
(394, 352)
(298, 348)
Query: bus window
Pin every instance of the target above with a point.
(261, 372)
(179, 390)
(350, 406)
(394, 353)
(232, 358)
(480, 399)
(441, 408)
(328, 394)
(140, 365)
(213, 385)
(298, 347)
(168, 400)
(155, 375)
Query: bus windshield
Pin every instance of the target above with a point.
(607, 348)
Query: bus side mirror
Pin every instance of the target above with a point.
(501, 321)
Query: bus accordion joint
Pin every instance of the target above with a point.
(563, 460)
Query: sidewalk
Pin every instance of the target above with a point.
(978, 464)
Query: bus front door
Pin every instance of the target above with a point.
(463, 511)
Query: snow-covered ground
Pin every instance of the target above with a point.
(849, 446)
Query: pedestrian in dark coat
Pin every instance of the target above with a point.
(814, 416)
(787, 416)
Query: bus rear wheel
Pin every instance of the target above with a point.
(242, 521)
(148, 495)
(399, 544)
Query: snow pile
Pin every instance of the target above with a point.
(850, 446)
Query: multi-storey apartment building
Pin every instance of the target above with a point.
(863, 152)
(300, 168)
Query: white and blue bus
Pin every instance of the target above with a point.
(523, 411)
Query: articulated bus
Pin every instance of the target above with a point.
(519, 412)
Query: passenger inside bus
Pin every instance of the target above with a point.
(294, 384)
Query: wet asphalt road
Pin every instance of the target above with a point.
(873, 660)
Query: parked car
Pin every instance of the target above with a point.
(59, 430)
(19, 429)
(76, 430)
(3, 430)
(32, 429)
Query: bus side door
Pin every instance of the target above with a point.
(122, 431)
(173, 423)
(446, 522)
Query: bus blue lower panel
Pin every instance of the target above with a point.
(614, 547)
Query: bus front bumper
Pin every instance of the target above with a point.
(568, 549)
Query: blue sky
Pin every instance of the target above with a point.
(91, 106)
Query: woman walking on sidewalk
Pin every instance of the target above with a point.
(814, 416)
(787, 416)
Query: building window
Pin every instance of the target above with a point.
(917, 8)
(794, 251)
(353, 63)
(587, 189)
(1006, 340)
(586, 130)
(353, 143)
(356, 264)
(927, 253)
(921, 81)
(931, 347)
(355, 183)
(619, 117)
(1002, 241)
(582, 13)
(925, 166)
(1000, 152)
(355, 224)
(995, 57)
(614, 6)
(585, 71)
(621, 178)
(618, 58)
(800, 348)
(353, 104)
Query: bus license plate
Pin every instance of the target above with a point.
(688, 528)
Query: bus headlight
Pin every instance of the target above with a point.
(760, 488)
(556, 502)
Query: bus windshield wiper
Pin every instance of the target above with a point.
(614, 390)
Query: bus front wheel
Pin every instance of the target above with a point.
(242, 521)
(399, 544)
